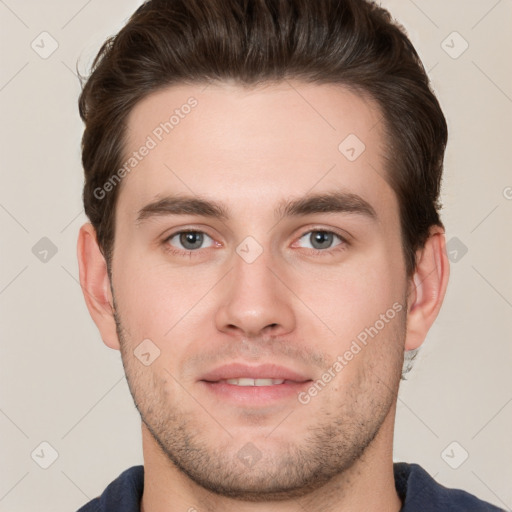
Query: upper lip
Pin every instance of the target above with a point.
(263, 371)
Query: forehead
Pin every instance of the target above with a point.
(252, 146)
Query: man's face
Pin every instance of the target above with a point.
(263, 291)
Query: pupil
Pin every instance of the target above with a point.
(321, 239)
(191, 240)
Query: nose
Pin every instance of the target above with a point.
(254, 301)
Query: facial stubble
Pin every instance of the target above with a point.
(336, 438)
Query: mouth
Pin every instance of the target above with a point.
(254, 385)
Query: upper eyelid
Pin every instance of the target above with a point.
(335, 233)
(176, 233)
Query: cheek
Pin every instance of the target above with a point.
(150, 300)
(162, 302)
(351, 297)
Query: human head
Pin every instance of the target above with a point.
(349, 42)
(252, 144)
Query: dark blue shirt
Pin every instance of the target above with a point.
(418, 491)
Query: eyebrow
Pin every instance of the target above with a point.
(333, 202)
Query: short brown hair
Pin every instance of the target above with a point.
(354, 43)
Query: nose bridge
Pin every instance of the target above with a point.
(253, 277)
(254, 298)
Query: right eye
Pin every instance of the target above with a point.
(187, 241)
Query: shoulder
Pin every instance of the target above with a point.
(121, 495)
(420, 492)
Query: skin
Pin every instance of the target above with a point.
(295, 305)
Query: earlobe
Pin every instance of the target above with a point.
(95, 284)
(427, 288)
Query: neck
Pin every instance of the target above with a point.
(368, 484)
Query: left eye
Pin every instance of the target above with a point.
(321, 239)
(190, 240)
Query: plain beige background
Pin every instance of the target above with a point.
(59, 385)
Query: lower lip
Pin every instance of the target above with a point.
(255, 395)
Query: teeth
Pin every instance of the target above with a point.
(254, 382)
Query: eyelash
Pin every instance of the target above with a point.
(314, 252)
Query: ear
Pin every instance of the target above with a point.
(95, 285)
(427, 288)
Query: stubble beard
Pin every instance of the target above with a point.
(333, 443)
